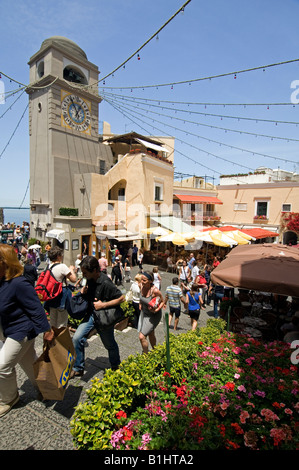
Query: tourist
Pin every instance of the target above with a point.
(30, 272)
(78, 271)
(101, 293)
(216, 261)
(184, 275)
(218, 294)
(190, 261)
(149, 316)
(179, 264)
(202, 284)
(23, 319)
(170, 263)
(207, 269)
(47, 249)
(157, 277)
(116, 273)
(140, 260)
(127, 268)
(37, 252)
(103, 263)
(194, 303)
(114, 253)
(194, 271)
(61, 272)
(134, 255)
(135, 289)
(129, 255)
(174, 296)
(31, 255)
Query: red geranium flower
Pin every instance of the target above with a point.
(121, 414)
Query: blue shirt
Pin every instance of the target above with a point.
(21, 312)
(193, 301)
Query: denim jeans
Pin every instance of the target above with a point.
(108, 340)
(217, 297)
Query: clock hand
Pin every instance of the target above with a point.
(77, 111)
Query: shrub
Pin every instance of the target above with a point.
(224, 391)
(68, 211)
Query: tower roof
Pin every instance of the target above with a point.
(65, 43)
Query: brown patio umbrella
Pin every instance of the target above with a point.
(267, 267)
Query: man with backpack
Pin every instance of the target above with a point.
(61, 272)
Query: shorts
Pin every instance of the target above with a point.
(194, 314)
(175, 311)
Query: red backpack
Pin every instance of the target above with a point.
(47, 287)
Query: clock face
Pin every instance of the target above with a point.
(75, 112)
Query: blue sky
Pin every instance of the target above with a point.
(209, 38)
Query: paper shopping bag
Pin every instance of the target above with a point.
(52, 369)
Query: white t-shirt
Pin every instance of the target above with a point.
(194, 272)
(135, 291)
(60, 271)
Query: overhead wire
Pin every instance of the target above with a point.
(218, 143)
(255, 134)
(223, 116)
(9, 140)
(176, 150)
(211, 77)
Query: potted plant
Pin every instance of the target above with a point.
(128, 310)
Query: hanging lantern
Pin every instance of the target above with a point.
(138, 56)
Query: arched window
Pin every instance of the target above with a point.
(73, 74)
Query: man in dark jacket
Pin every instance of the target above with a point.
(102, 293)
(30, 271)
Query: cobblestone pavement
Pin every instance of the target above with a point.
(36, 425)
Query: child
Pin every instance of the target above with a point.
(157, 278)
(127, 267)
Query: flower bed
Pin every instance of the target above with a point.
(224, 391)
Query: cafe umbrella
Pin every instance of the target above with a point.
(267, 267)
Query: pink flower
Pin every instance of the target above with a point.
(243, 416)
(269, 415)
(241, 388)
(260, 394)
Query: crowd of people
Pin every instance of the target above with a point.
(23, 316)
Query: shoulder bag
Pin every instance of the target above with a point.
(107, 318)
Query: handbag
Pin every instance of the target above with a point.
(52, 369)
(129, 296)
(154, 302)
(77, 306)
(107, 318)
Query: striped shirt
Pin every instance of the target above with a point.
(174, 294)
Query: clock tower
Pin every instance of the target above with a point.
(63, 127)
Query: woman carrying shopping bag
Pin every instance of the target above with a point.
(22, 318)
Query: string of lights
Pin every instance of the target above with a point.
(217, 142)
(196, 103)
(120, 109)
(20, 206)
(14, 131)
(224, 116)
(178, 151)
(155, 35)
(211, 77)
(10, 107)
(255, 134)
